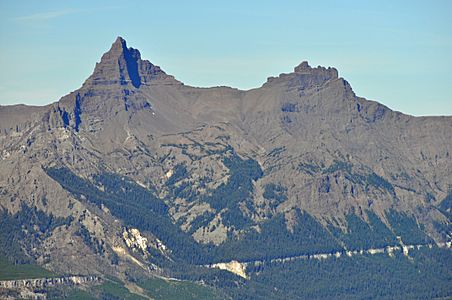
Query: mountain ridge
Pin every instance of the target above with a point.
(135, 172)
(119, 48)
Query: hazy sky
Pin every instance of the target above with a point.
(396, 52)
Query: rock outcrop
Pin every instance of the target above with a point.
(48, 282)
(124, 66)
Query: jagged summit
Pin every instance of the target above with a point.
(305, 68)
(119, 42)
(123, 65)
(305, 76)
(304, 65)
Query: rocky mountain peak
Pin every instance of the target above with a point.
(305, 76)
(119, 49)
(123, 65)
(119, 42)
(305, 68)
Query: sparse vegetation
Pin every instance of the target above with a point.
(168, 290)
(11, 271)
(275, 193)
(27, 228)
(136, 206)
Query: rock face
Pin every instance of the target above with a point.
(48, 282)
(233, 267)
(35, 288)
(219, 165)
(122, 65)
(135, 240)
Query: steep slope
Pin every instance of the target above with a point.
(136, 173)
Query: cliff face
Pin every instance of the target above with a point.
(37, 288)
(123, 65)
(48, 282)
(222, 162)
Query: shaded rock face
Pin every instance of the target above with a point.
(124, 66)
(224, 162)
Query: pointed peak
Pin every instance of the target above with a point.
(120, 40)
(304, 65)
(124, 66)
(118, 47)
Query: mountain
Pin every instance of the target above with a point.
(136, 176)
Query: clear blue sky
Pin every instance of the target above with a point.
(396, 52)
